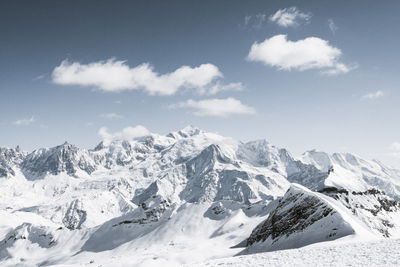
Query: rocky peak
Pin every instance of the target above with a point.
(9, 159)
(63, 158)
(301, 215)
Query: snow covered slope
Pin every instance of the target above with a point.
(301, 218)
(379, 213)
(383, 253)
(353, 173)
(184, 197)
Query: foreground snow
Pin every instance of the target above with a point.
(369, 253)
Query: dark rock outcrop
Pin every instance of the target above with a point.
(302, 217)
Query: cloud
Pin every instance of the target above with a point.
(395, 148)
(218, 87)
(339, 68)
(216, 107)
(247, 20)
(111, 116)
(40, 77)
(288, 17)
(255, 21)
(114, 76)
(118, 102)
(24, 122)
(332, 26)
(373, 95)
(128, 133)
(309, 53)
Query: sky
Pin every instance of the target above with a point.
(302, 74)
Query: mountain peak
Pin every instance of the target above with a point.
(185, 132)
(63, 146)
(55, 160)
(189, 130)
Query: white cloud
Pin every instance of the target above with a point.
(127, 133)
(247, 20)
(255, 21)
(373, 95)
(113, 76)
(332, 26)
(216, 107)
(218, 87)
(111, 116)
(309, 53)
(395, 148)
(339, 68)
(291, 16)
(40, 77)
(24, 122)
(118, 102)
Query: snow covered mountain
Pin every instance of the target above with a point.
(184, 197)
(303, 217)
(65, 158)
(353, 173)
(10, 159)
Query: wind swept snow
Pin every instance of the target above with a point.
(373, 253)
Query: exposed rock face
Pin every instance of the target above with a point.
(149, 211)
(377, 211)
(301, 218)
(295, 219)
(9, 159)
(64, 158)
(75, 216)
(223, 209)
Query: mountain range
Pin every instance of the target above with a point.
(185, 197)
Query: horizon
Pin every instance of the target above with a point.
(102, 141)
(302, 76)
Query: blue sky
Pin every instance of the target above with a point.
(302, 74)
